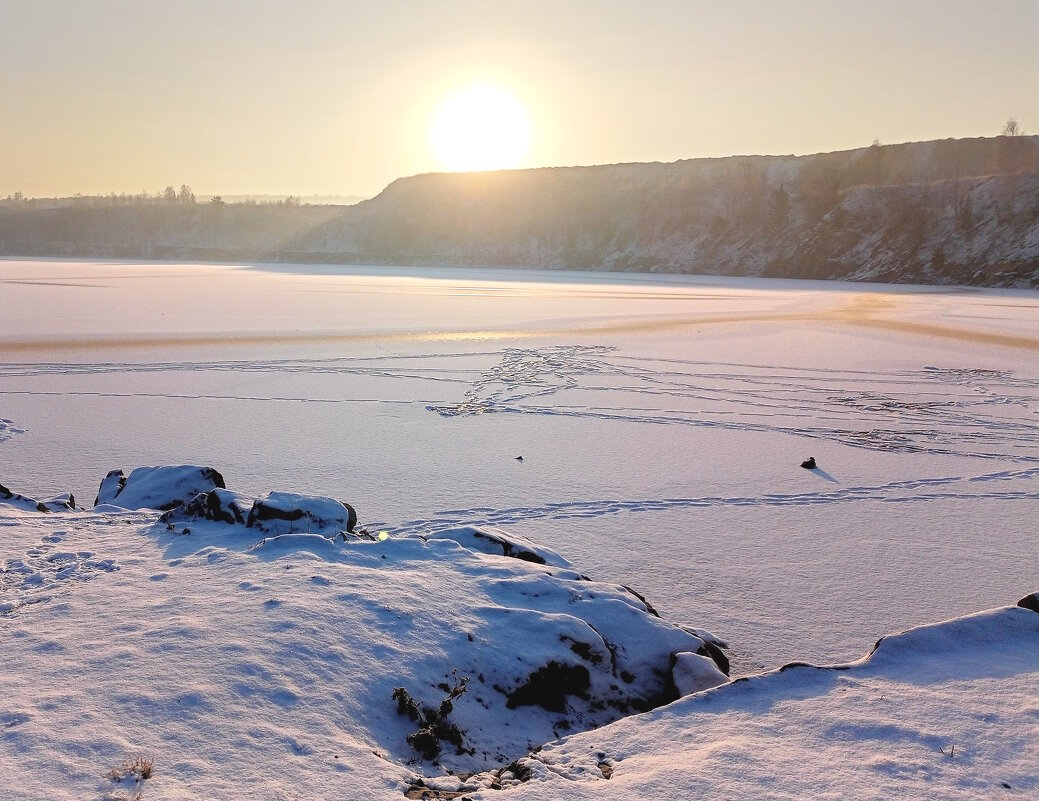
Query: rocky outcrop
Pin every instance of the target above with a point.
(64, 502)
(20, 501)
(162, 488)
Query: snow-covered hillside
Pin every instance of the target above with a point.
(944, 212)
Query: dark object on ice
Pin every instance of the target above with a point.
(548, 687)
(519, 458)
(1030, 602)
(20, 501)
(433, 723)
(162, 488)
(809, 463)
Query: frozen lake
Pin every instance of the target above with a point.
(661, 421)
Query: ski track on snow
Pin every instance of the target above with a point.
(991, 414)
(960, 488)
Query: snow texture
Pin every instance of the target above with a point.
(538, 648)
(239, 668)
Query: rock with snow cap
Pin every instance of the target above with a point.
(219, 505)
(63, 502)
(20, 501)
(163, 488)
(289, 512)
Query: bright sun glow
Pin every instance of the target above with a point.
(481, 128)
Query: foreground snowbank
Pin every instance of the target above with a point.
(944, 711)
(246, 663)
(245, 643)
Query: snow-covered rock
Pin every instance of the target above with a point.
(219, 505)
(63, 502)
(20, 501)
(159, 488)
(289, 512)
(693, 672)
(495, 541)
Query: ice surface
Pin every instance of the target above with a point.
(661, 421)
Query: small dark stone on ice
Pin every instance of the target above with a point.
(809, 463)
(519, 458)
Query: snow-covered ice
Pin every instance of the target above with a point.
(661, 423)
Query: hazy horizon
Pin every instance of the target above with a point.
(340, 99)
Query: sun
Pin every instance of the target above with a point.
(482, 127)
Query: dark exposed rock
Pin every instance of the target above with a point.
(351, 517)
(694, 672)
(494, 541)
(583, 650)
(548, 687)
(65, 502)
(434, 727)
(809, 463)
(717, 654)
(1030, 602)
(220, 505)
(641, 597)
(511, 549)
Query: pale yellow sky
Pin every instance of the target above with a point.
(336, 97)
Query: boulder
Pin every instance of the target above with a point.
(64, 502)
(111, 485)
(162, 488)
(290, 513)
(1030, 602)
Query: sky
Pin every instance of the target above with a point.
(337, 97)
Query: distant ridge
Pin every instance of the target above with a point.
(954, 211)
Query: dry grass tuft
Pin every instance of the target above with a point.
(136, 767)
